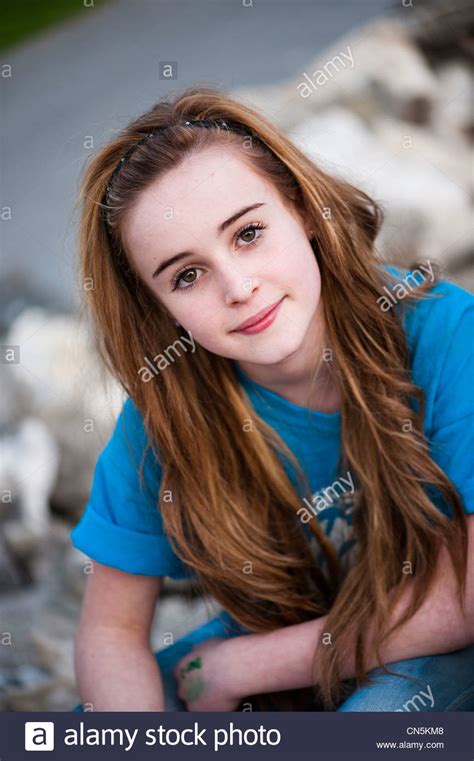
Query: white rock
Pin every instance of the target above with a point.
(408, 187)
(61, 380)
(374, 68)
(28, 470)
(453, 116)
(452, 160)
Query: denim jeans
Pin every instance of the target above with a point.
(442, 682)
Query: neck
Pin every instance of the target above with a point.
(297, 378)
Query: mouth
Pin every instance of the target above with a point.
(259, 321)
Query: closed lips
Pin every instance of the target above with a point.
(257, 317)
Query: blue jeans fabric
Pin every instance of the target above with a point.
(442, 682)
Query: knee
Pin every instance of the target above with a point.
(389, 693)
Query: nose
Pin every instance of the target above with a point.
(238, 287)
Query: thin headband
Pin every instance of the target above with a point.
(232, 126)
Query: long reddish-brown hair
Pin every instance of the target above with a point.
(231, 500)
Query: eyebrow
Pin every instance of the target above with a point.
(220, 229)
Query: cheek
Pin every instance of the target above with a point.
(310, 263)
(313, 281)
(201, 320)
(197, 317)
(207, 326)
(301, 273)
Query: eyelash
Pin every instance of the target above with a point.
(180, 273)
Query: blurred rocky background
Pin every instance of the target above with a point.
(387, 104)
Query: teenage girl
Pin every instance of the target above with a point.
(296, 438)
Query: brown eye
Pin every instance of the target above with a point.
(248, 235)
(182, 275)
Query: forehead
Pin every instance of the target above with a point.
(193, 199)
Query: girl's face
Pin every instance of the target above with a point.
(214, 262)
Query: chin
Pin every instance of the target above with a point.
(277, 350)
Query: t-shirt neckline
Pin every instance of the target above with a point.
(277, 407)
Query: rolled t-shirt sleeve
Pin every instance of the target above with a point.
(121, 525)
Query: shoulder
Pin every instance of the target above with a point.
(431, 321)
(129, 440)
(129, 426)
(445, 305)
(439, 331)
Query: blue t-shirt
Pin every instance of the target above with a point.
(122, 526)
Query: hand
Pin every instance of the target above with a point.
(201, 677)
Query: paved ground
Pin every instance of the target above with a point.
(91, 75)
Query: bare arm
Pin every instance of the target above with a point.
(282, 659)
(115, 667)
